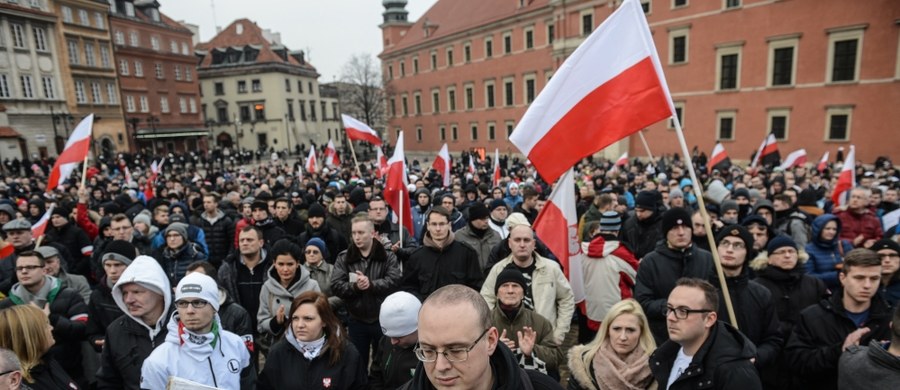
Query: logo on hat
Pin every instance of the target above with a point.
(191, 288)
(679, 221)
(735, 232)
(326, 382)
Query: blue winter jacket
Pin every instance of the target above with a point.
(825, 255)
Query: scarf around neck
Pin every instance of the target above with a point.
(311, 349)
(198, 346)
(429, 242)
(613, 373)
(39, 298)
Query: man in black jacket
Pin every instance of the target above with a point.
(286, 219)
(642, 232)
(102, 308)
(853, 316)
(217, 227)
(316, 227)
(674, 258)
(364, 275)
(702, 352)
(396, 360)
(18, 234)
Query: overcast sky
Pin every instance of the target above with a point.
(330, 31)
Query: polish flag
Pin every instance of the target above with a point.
(472, 169)
(442, 165)
(623, 160)
(496, 174)
(6, 249)
(382, 163)
(358, 131)
(40, 226)
(846, 180)
(155, 170)
(611, 87)
(767, 153)
(719, 159)
(823, 163)
(396, 193)
(557, 227)
(796, 158)
(311, 164)
(76, 152)
(331, 155)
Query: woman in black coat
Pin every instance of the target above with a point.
(26, 330)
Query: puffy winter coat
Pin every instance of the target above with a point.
(102, 311)
(430, 267)
(546, 354)
(287, 369)
(383, 271)
(175, 263)
(333, 240)
(864, 223)
(218, 231)
(609, 270)
(642, 236)
(273, 295)
(392, 366)
(482, 245)
(825, 255)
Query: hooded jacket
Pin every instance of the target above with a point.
(419, 213)
(431, 267)
(340, 222)
(722, 362)
(273, 294)
(102, 311)
(383, 270)
(656, 278)
(128, 339)
(482, 244)
(868, 367)
(825, 255)
(287, 369)
(333, 240)
(609, 270)
(224, 363)
(175, 263)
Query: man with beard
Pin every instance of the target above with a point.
(218, 228)
(340, 215)
(642, 232)
(286, 219)
(386, 231)
(441, 260)
(790, 221)
(316, 227)
(478, 234)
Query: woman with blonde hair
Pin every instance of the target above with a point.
(26, 330)
(618, 358)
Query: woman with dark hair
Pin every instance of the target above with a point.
(314, 353)
(26, 330)
(287, 280)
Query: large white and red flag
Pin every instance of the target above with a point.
(611, 87)
(495, 176)
(796, 158)
(472, 168)
(823, 163)
(557, 227)
(359, 131)
(621, 162)
(442, 165)
(767, 153)
(382, 163)
(719, 159)
(311, 163)
(75, 152)
(846, 180)
(40, 226)
(396, 192)
(331, 155)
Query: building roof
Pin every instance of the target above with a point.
(9, 132)
(447, 17)
(245, 32)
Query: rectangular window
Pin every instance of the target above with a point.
(778, 124)
(177, 70)
(844, 60)
(290, 109)
(256, 85)
(454, 133)
(312, 110)
(145, 105)
(245, 113)
(449, 56)
(182, 105)
(417, 100)
(84, 18)
(154, 43)
(443, 131)
(728, 67)
(138, 68)
(259, 111)
(551, 33)
(123, 67)
(645, 6)
(100, 20)
(392, 104)
(104, 56)
(4, 86)
(679, 113)
(415, 63)
(299, 86)
(302, 105)
(509, 128)
(242, 86)
(732, 3)
(507, 43)
(40, 38)
(193, 105)
(529, 38)
(47, 84)
(160, 72)
(74, 55)
(782, 66)
(509, 93)
(134, 39)
(111, 94)
(467, 52)
(678, 45)
(80, 94)
(188, 75)
(173, 47)
(488, 47)
(529, 90)
(838, 123)
(451, 99)
(492, 130)
(679, 3)
(435, 101)
(474, 131)
(120, 38)
(18, 35)
(403, 68)
(404, 105)
(222, 114)
(418, 134)
(489, 95)
(587, 23)
(433, 60)
(89, 58)
(164, 104)
(470, 97)
(27, 87)
(67, 14)
(725, 124)
(96, 93)
(390, 72)
(129, 104)
(220, 88)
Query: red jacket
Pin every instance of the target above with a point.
(855, 224)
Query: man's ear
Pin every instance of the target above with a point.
(492, 338)
(711, 319)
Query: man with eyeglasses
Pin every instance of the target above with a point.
(855, 315)
(67, 312)
(10, 370)
(387, 232)
(18, 234)
(889, 252)
(460, 349)
(197, 348)
(753, 304)
(701, 352)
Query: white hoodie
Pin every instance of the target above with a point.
(145, 270)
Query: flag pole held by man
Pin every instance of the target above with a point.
(609, 88)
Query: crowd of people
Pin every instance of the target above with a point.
(260, 276)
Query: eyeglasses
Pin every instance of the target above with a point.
(8, 372)
(884, 256)
(453, 355)
(312, 251)
(682, 313)
(733, 245)
(28, 268)
(198, 304)
(785, 251)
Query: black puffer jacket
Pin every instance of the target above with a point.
(392, 365)
(755, 312)
(287, 369)
(430, 268)
(219, 235)
(642, 236)
(656, 277)
(76, 241)
(235, 317)
(175, 263)
(722, 362)
(333, 240)
(127, 345)
(383, 271)
(102, 311)
(814, 349)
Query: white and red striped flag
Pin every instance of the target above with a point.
(311, 165)
(382, 163)
(472, 168)
(621, 162)
(39, 227)
(396, 192)
(796, 158)
(331, 155)
(719, 159)
(75, 152)
(846, 180)
(496, 173)
(767, 153)
(358, 131)
(611, 87)
(442, 165)
(557, 227)
(823, 163)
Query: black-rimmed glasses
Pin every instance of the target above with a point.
(682, 313)
(454, 355)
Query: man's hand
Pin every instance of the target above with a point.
(858, 240)
(395, 247)
(83, 195)
(509, 343)
(527, 336)
(868, 243)
(362, 281)
(279, 316)
(99, 342)
(853, 338)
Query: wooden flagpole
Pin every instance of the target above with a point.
(698, 192)
(646, 146)
(353, 153)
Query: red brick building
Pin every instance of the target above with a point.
(818, 74)
(157, 75)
